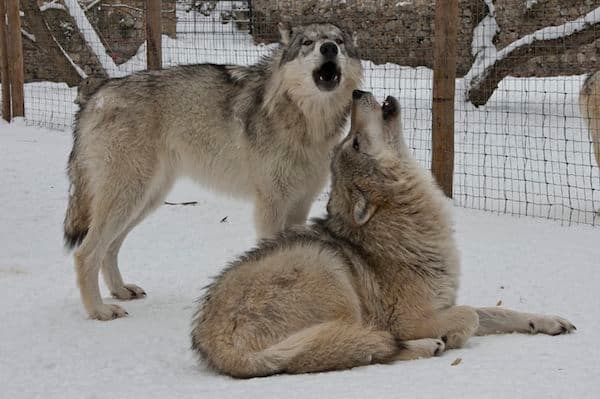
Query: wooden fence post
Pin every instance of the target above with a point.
(5, 78)
(444, 75)
(153, 34)
(15, 59)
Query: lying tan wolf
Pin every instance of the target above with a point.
(372, 282)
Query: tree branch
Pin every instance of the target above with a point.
(551, 40)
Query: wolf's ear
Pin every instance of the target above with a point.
(354, 39)
(363, 208)
(285, 31)
(351, 43)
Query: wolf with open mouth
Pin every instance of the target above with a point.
(262, 132)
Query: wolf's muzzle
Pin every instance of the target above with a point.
(390, 108)
(357, 94)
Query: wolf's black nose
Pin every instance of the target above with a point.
(329, 50)
(356, 94)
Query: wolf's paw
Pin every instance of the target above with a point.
(128, 291)
(108, 312)
(423, 348)
(551, 325)
(456, 339)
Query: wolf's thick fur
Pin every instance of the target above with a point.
(373, 281)
(589, 103)
(263, 132)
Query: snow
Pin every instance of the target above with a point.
(530, 3)
(49, 349)
(52, 5)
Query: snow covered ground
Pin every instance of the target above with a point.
(49, 349)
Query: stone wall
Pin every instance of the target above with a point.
(402, 32)
(394, 31)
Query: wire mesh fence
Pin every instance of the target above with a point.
(522, 148)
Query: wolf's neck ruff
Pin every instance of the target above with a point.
(324, 112)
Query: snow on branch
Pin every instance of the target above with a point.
(52, 5)
(530, 3)
(28, 35)
(482, 45)
(488, 70)
(92, 39)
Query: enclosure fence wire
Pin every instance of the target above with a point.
(522, 146)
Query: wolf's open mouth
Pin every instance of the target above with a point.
(389, 107)
(327, 76)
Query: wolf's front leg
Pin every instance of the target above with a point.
(269, 215)
(454, 325)
(298, 211)
(504, 321)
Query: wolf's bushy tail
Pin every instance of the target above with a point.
(326, 346)
(77, 217)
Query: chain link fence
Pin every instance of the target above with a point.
(522, 146)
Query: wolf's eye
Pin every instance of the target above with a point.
(355, 144)
(339, 41)
(307, 42)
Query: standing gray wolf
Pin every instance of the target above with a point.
(374, 281)
(589, 104)
(263, 132)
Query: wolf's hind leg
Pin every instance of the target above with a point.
(110, 267)
(331, 345)
(496, 320)
(341, 345)
(119, 200)
(88, 260)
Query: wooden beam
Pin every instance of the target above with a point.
(444, 75)
(15, 58)
(153, 34)
(4, 76)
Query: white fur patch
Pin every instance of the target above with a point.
(99, 102)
